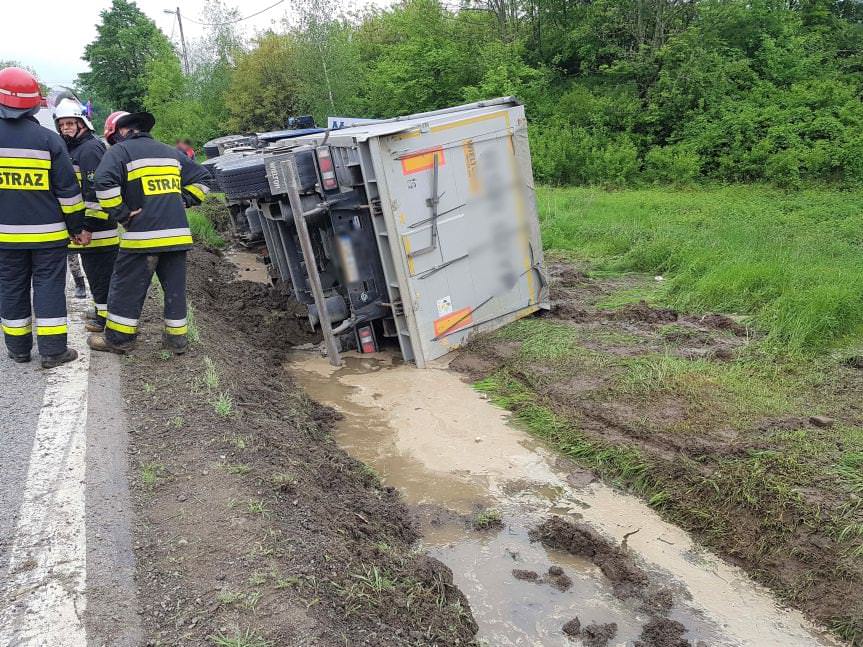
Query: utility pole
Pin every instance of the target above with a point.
(182, 38)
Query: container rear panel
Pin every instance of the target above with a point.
(478, 264)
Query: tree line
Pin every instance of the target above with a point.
(618, 92)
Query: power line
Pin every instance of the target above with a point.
(232, 22)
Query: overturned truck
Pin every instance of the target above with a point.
(421, 229)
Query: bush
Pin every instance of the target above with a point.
(672, 165)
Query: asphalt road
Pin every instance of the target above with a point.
(66, 561)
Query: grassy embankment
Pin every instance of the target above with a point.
(723, 448)
(204, 220)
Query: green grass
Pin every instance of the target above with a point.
(247, 638)
(791, 261)
(223, 405)
(203, 230)
(211, 375)
(151, 473)
(488, 518)
(194, 334)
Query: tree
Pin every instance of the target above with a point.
(265, 87)
(127, 42)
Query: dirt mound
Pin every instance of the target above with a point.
(663, 632)
(567, 275)
(254, 526)
(641, 311)
(268, 316)
(720, 322)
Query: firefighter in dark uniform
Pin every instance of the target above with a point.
(40, 209)
(146, 186)
(100, 231)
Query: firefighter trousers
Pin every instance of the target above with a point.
(99, 266)
(45, 270)
(130, 281)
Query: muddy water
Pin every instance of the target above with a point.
(446, 448)
(250, 266)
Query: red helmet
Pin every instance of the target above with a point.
(19, 89)
(111, 124)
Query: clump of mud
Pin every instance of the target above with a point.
(662, 632)
(641, 311)
(593, 635)
(555, 577)
(527, 576)
(627, 580)
(573, 627)
(558, 578)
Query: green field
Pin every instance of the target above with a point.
(793, 262)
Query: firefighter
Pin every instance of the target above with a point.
(40, 208)
(98, 256)
(146, 185)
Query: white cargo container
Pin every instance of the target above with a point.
(451, 199)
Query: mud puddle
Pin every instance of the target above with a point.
(452, 454)
(250, 266)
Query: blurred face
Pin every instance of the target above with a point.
(124, 131)
(69, 126)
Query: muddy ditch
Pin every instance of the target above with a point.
(483, 492)
(406, 508)
(751, 455)
(252, 524)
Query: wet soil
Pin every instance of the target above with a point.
(567, 544)
(688, 446)
(252, 523)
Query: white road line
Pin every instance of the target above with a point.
(42, 601)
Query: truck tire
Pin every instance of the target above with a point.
(244, 179)
(211, 148)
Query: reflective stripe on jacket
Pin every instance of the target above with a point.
(40, 200)
(86, 154)
(142, 173)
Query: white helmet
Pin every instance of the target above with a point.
(71, 108)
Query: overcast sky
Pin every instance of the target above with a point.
(50, 35)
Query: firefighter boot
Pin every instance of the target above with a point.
(20, 359)
(177, 344)
(53, 361)
(98, 342)
(94, 325)
(80, 289)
